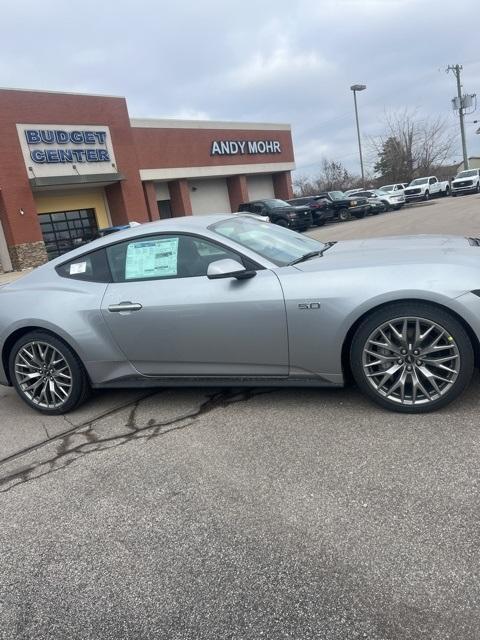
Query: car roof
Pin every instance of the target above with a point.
(185, 223)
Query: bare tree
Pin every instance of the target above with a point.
(412, 146)
(333, 176)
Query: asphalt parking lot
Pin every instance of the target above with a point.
(185, 514)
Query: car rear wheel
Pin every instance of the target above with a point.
(47, 374)
(412, 357)
(344, 215)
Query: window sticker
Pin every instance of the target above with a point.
(151, 258)
(78, 267)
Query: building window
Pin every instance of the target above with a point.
(66, 230)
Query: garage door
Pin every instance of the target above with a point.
(209, 196)
(66, 230)
(260, 187)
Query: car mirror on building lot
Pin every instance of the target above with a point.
(228, 268)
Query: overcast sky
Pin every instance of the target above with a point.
(256, 60)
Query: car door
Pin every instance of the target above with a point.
(170, 319)
(433, 185)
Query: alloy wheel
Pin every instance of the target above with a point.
(411, 360)
(43, 374)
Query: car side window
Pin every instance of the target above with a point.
(91, 267)
(164, 257)
(432, 180)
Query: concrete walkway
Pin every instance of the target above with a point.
(5, 278)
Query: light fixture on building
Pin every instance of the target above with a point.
(21, 212)
(194, 188)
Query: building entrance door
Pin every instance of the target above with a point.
(164, 209)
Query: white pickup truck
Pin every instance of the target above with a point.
(468, 180)
(426, 188)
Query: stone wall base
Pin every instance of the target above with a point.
(28, 255)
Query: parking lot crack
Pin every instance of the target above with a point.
(69, 449)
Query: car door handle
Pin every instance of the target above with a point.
(123, 307)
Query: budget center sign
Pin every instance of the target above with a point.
(63, 150)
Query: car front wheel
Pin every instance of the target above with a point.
(344, 215)
(412, 357)
(47, 374)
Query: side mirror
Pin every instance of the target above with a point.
(228, 268)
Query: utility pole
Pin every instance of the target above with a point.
(457, 68)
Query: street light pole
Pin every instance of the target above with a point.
(355, 88)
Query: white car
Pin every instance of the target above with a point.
(468, 180)
(391, 200)
(426, 188)
(396, 189)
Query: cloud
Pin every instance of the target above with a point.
(278, 66)
(268, 60)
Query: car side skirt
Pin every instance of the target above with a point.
(210, 381)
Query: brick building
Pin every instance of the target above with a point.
(71, 164)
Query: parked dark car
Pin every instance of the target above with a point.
(320, 207)
(280, 212)
(376, 204)
(101, 233)
(345, 207)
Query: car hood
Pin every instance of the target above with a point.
(464, 179)
(301, 208)
(352, 199)
(389, 250)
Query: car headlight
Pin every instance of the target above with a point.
(353, 203)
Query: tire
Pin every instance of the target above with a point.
(386, 205)
(426, 196)
(344, 214)
(447, 192)
(477, 188)
(281, 223)
(367, 358)
(70, 383)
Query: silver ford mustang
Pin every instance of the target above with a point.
(230, 300)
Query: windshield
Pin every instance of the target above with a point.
(467, 174)
(337, 195)
(388, 187)
(275, 204)
(419, 181)
(280, 246)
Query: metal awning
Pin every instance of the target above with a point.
(96, 179)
